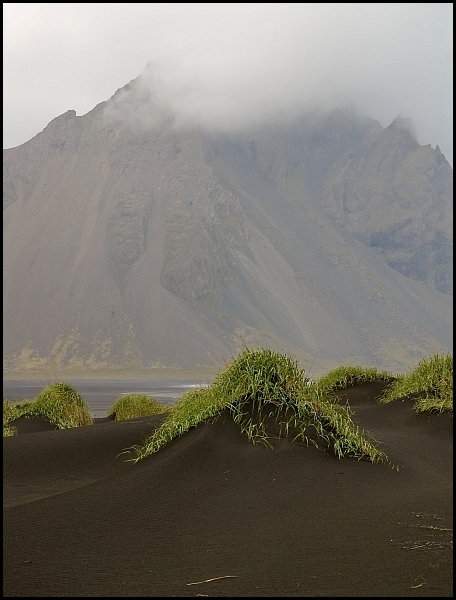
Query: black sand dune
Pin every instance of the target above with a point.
(212, 515)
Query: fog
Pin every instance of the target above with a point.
(229, 66)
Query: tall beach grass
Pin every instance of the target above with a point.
(131, 406)
(59, 403)
(261, 387)
(430, 384)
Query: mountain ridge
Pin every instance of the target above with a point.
(173, 248)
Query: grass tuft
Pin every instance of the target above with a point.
(11, 412)
(136, 405)
(345, 376)
(59, 403)
(430, 384)
(268, 395)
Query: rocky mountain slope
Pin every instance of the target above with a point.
(329, 238)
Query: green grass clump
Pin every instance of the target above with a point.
(8, 416)
(11, 412)
(131, 406)
(265, 391)
(9, 430)
(345, 376)
(430, 384)
(61, 405)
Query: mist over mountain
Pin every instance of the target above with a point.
(133, 241)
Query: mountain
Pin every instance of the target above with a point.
(326, 237)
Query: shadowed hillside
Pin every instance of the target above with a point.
(329, 238)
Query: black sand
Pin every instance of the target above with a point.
(212, 515)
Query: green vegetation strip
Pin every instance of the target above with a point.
(267, 395)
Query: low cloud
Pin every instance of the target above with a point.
(229, 66)
(383, 59)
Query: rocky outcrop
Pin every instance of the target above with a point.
(203, 231)
(396, 196)
(127, 227)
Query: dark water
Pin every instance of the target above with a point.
(100, 395)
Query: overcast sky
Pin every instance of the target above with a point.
(229, 65)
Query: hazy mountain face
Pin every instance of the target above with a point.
(328, 238)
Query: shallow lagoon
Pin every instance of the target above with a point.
(100, 395)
